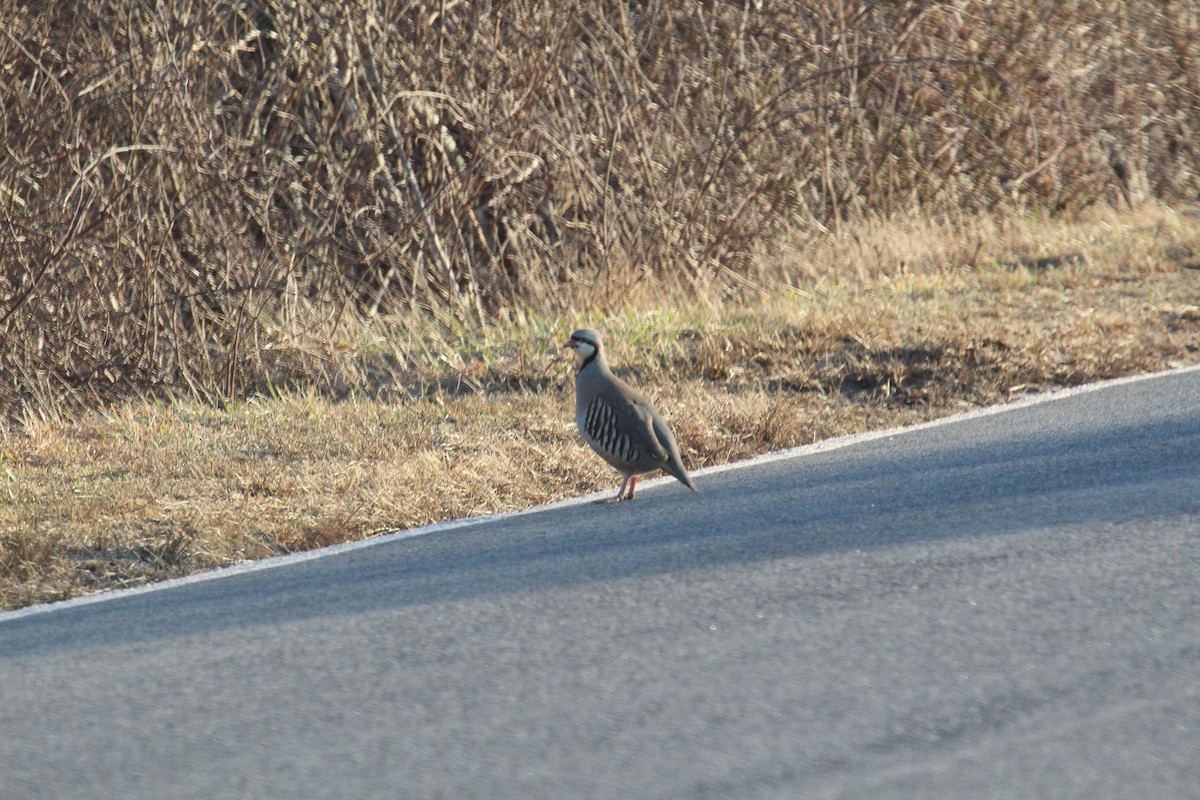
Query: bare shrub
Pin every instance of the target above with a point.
(182, 184)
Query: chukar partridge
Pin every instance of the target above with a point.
(618, 422)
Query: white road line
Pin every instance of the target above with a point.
(449, 525)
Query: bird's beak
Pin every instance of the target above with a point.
(570, 345)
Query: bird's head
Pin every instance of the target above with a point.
(586, 344)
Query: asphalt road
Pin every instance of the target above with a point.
(1002, 606)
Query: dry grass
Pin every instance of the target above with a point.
(273, 275)
(190, 189)
(887, 325)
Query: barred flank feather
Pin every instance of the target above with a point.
(603, 430)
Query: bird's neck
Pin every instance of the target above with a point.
(595, 356)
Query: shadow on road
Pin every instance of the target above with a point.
(986, 476)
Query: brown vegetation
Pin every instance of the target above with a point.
(190, 189)
(272, 275)
(928, 321)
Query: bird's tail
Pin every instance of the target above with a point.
(674, 467)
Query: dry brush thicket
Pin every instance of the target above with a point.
(185, 184)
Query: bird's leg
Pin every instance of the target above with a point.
(620, 493)
(632, 486)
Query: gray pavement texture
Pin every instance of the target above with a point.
(1002, 606)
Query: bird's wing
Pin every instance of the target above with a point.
(637, 419)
